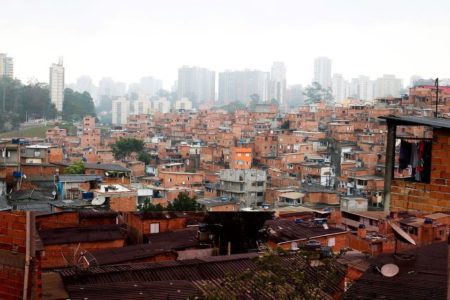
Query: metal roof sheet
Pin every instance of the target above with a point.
(419, 121)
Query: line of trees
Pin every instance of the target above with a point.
(19, 102)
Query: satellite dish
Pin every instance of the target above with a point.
(54, 193)
(106, 173)
(98, 200)
(401, 235)
(389, 270)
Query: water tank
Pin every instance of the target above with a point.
(88, 195)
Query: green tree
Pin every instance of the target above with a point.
(148, 206)
(315, 93)
(75, 168)
(123, 148)
(184, 203)
(144, 157)
(285, 124)
(77, 105)
(20, 102)
(278, 274)
(233, 106)
(274, 101)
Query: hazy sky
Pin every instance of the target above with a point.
(130, 39)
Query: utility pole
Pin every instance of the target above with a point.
(436, 84)
(4, 94)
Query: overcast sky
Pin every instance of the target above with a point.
(129, 39)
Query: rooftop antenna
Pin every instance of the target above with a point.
(436, 84)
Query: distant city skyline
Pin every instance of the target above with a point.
(128, 40)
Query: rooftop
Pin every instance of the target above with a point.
(418, 121)
(423, 276)
(106, 167)
(82, 234)
(283, 230)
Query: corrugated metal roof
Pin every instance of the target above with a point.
(422, 277)
(283, 230)
(121, 281)
(420, 121)
(79, 178)
(106, 167)
(82, 234)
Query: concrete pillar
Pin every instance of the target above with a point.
(390, 164)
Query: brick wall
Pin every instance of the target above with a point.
(53, 254)
(12, 259)
(123, 202)
(60, 220)
(431, 197)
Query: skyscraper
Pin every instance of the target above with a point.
(150, 86)
(322, 71)
(339, 88)
(278, 82)
(241, 85)
(196, 84)
(294, 95)
(120, 111)
(387, 86)
(6, 66)
(57, 84)
(365, 88)
(85, 84)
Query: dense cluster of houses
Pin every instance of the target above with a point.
(334, 179)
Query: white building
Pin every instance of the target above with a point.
(339, 88)
(57, 84)
(322, 71)
(278, 82)
(365, 88)
(162, 105)
(387, 86)
(183, 103)
(6, 66)
(120, 111)
(241, 85)
(142, 106)
(197, 84)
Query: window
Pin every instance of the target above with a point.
(154, 228)
(414, 160)
(331, 242)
